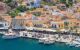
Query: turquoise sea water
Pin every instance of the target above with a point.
(31, 44)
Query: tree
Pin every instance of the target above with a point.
(14, 13)
(22, 8)
(63, 1)
(68, 3)
(20, 1)
(37, 13)
(13, 4)
(66, 25)
(7, 1)
(48, 3)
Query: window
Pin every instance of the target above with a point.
(38, 25)
(66, 23)
(1, 25)
(32, 3)
(54, 26)
(28, 4)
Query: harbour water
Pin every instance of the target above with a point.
(30, 44)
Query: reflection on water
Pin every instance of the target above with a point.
(30, 44)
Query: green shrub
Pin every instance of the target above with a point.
(21, 8)
(14, 13)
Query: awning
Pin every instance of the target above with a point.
(64, 30)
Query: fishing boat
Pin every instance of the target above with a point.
(73, 44)
(46, 41)
(10, 35)
(77, 46)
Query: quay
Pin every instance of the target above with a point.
(44, 36)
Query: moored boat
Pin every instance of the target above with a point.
(46, 41)
(10, 35)
(77, 46)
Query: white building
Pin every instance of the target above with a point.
(4, 25)
(17, 24)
